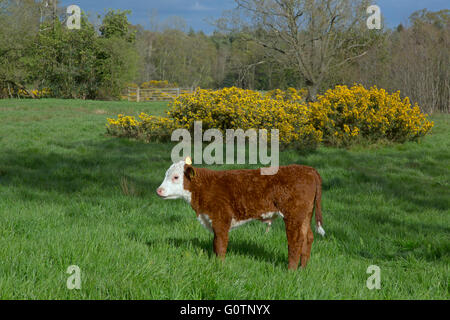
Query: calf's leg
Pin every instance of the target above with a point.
(295, 242)
(307, 243)
(220, 244)
(221, 239)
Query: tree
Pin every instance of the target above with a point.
(18, 27)
(420, 65)
(81, 63)
(115, 25)
(65, 60)
(313, 36)
(413, 59)
(185, 58)
(116, 56)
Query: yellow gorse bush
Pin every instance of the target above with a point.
(146, 127)
(35, 93)
(158, 84)
(45, 92)
(233, 108)
(153, 84)
(341, 116)
(291, 94)
(348, 114)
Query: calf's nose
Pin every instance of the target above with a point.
(160, 191)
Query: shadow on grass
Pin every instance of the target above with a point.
(411, 176)
(83, 165)
(413, 179)
(235, 246)
(102, 165)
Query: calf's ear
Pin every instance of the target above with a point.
(189, 172)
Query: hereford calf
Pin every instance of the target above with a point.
(224, 200)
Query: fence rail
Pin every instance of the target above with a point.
(155, 94)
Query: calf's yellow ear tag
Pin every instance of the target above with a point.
(188, 161)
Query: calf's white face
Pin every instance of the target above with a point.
(172, 186)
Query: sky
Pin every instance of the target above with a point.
(197, 13)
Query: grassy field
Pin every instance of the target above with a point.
(70, 195)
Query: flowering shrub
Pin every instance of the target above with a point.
(158, 84)
(158, 90)
(148, 128)
(339, 117)
(233, 108)
(291, 94)
(44, 93)
(153, 84)
(346, 115)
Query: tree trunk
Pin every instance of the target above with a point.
(313, 89)
(9, 91)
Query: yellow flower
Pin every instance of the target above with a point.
(338, 116)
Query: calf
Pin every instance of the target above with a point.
(224, 200)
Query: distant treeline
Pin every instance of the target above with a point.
(98, 61)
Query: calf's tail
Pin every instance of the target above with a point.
(318, 209)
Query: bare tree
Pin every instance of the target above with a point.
(420, 65)
(413, 59)
(313, 36)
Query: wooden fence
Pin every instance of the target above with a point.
(155, 94)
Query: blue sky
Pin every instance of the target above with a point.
(196, 13)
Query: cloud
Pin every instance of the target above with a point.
(199, 7)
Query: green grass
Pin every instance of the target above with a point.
(70, 195)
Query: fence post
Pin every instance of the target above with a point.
(178, 92)
(137, 94)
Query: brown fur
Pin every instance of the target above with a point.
(244, 194)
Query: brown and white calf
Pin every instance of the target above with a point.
(224, 200)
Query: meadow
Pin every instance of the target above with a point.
(72, 195)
